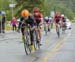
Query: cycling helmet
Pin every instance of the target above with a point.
(62, 15)
(58, 14)
(36, 9)
(25, 13)
(50, 18)
(46, 18)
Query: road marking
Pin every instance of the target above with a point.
(55, 49)
(9, 39)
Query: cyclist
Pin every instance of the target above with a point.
(57, 20)
(47, 21)
(63, 19)
(38, 17)
(27, 20)
(63, 22)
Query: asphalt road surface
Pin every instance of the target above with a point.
(54, 49)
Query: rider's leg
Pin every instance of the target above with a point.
(15, 27)
(32, 39)
(48, 26)
(22, 31)
(39, 34)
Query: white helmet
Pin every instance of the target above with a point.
(50, 18)
(46, 17)
(62, 15)
(67, 20)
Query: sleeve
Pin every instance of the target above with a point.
(33, 19)
(19, 25)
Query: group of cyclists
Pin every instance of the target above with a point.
(33, 21)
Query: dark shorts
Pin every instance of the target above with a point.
(47, 21)
(37, 22)
(57, 21)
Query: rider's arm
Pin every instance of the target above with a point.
(42, 20)
(19, 26)
(61, 20)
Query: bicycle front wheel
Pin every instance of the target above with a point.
(27, 46)
(58, 31)
(45, 29)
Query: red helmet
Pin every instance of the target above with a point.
(58, 13)
(36, 9)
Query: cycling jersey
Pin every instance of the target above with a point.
(24, 22)
(38, 18)
(24, 25)
(57, 18)
(47, 20)
(50, 19)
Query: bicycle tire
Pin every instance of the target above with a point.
(34, 34)
(27, 49)
(26, 45)
(38, 44)
(58, 31)
(45, 29)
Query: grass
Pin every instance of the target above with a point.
(8, 28)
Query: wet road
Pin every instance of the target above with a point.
(54, 49)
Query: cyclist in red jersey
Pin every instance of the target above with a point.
(57, 18)
(58, 22)
(38, 17)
